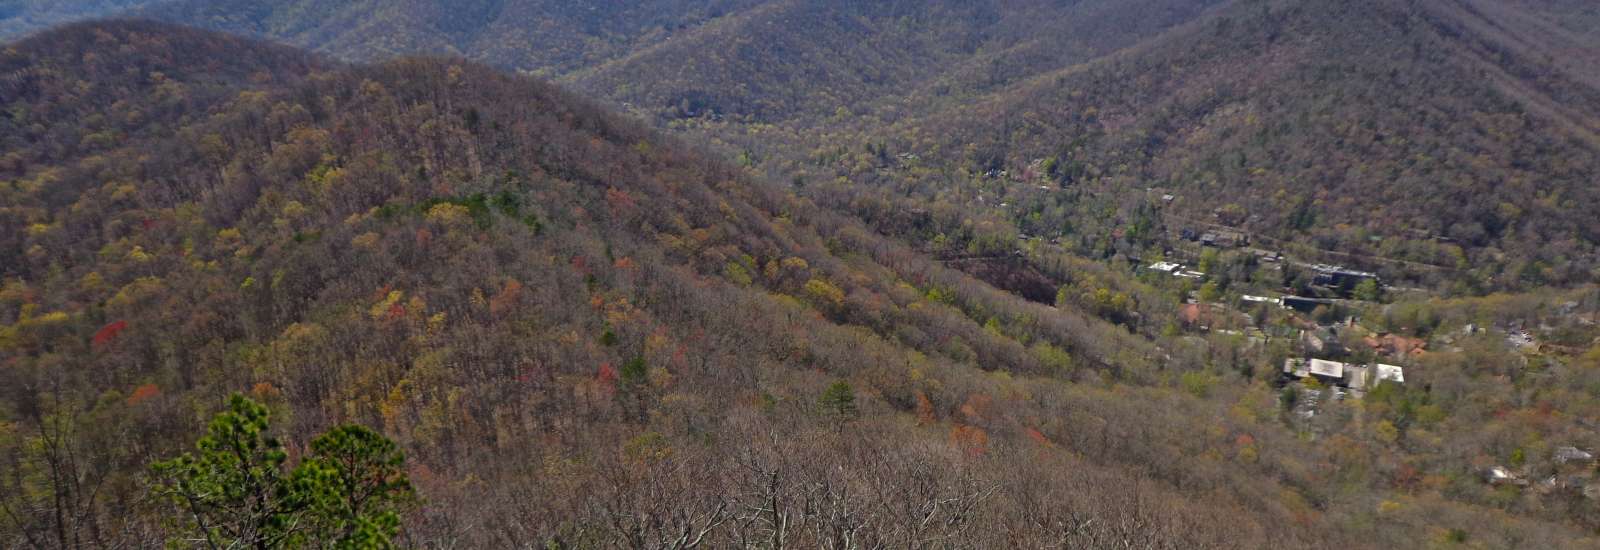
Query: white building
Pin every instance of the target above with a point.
(1391, 373)
(1326, 369)
(1356, 377)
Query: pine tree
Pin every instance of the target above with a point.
(839, 401)
(234, 492)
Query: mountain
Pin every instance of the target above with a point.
(1450, 144)
(487, 267)
(803, 61)
(546, 36)
(762, 59)
(1348, 131)
(19, 17)
(1376, 126)
(586, 332)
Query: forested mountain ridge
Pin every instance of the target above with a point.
(483, 266)
(537, 299)
(804, 61)
(1489, 103)
(766, 60)
(541, 36)
(1455, 135)
(1396, 120)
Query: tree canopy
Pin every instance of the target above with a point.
(235, 490)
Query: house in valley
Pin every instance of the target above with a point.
(1390, 373)
(1353, 376)
(1340, 278)
(1327, 372)
(1304, 304)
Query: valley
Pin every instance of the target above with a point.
(812, 273)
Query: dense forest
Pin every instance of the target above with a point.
(1354, 128)
(852, 275)
(1428, 133)
(542, 36)
(351, 245)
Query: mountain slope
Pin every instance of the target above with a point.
(802, 60)
(1372, 127)
(547, 36)
(485, 267)
(539, 300)
(765, 59)
(1447, 134)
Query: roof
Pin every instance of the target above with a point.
(1306, 300)
(1391, 373)
(1330, 369)
(1165, 266)
(1344, 271)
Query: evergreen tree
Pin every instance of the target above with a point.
(234, 492)
(839, 400)
(354, 485)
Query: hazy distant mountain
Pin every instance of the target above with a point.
(18, 17)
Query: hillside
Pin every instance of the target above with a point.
(585, 332)
(805, 61)
(1354, 129)
(485, 267)
(1451, 135)
(1457, 136)
(765, 60)
(540, 36)
(1397, 121)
